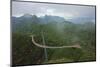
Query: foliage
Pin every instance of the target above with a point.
(55, 34)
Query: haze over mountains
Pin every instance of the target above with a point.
(48, 19)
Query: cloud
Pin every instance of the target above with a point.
(40, 9)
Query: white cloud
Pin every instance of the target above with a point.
(40, 9)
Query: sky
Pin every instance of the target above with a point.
(41, 9)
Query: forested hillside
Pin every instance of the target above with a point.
(56, 33)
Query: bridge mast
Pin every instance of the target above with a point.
(45, 50)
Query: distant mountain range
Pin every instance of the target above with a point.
(82, 20)
(35, 19)
(32, 23)
(46, 19)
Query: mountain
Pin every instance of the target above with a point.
(29, 18)
(34, 19)
(26, 18)
(82, 20)
(29, 22)
(48, 19)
